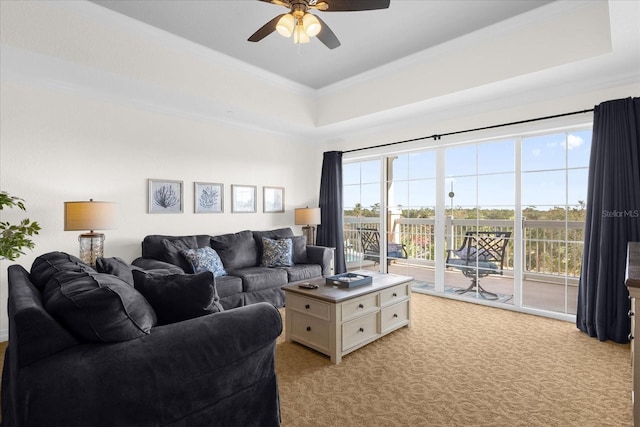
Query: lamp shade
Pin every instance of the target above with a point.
(285, 25)
(307, 216)
(311, 25)
(89, 215)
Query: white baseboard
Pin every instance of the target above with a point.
(4, 335)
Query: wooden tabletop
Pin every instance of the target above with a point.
(334, 294)
(633, 265)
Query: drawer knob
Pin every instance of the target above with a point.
(308, 328)
(630, 337)
(630, 313)
(360, 306)
(361, 330)
(395, 315)
(395, 295)
(307, 306)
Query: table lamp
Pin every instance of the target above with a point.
(308, 217)
(89, 216)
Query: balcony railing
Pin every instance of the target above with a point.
(552, 250)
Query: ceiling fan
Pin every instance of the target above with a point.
(302, 25)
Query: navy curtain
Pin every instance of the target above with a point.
(330, 232)
(613, 219)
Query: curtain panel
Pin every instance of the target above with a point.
(613, 219)
(330, 232)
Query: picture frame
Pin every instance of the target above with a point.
(165, 196)
(243, 198)
(208, 197)
(272, 199)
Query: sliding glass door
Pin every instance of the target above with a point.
(412, 213)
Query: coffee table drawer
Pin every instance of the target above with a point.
(310, 331)
(359, 331)
(359, 306)
(392, 295)
(308, 306)
(393, 316)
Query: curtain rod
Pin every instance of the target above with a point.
(438, 136)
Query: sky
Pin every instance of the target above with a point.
(553, 173)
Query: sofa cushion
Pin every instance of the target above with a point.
(237, 250)
(117, 267)
(259, 278)
(178, 297)
(228, 285)
(277, 253)
(300, 272)
(204, 259)
(47, 265)
(98, 306)
(173, 248)
(299, 249)
(270, 234)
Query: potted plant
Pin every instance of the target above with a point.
(13, 238)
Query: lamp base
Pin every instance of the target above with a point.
(310, 233)
(91, 247)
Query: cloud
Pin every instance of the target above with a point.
(573, 141)
(536, 152)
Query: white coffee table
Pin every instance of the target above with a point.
(336, 321)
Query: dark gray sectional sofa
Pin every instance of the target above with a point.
(87, 349)
(247, 281)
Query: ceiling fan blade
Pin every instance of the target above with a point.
(327, 36)
(266, 29)
(355, 5)
(278, 2)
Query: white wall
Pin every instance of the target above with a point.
(73, 128)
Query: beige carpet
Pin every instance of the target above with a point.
(461, 364)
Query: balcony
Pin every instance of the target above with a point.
(551, 252)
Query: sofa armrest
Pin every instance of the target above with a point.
(33, 333)
(321, 255)
(176, 371)
(154, 264)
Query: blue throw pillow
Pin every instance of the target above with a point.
(277, 253)
(204, 259)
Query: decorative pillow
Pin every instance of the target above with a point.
(278, 233)
(178, 297)
(174, 247)
(299, 249)
(47, 265)
(277, 253)
(98, 307)
(205, 259)
(472, 254)
(237, 250)
(117, 267)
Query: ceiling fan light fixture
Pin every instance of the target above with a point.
(299, 35)
(285, 25)
(311, 25)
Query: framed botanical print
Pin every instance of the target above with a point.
(208, 197)
(273, 199)
(243, 198)
(165, 196)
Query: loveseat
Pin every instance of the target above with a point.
(88, 349)
(246, 276)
